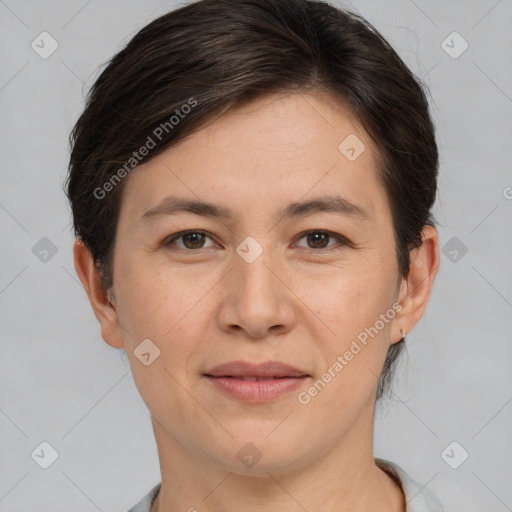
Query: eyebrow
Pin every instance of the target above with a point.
(173, 205)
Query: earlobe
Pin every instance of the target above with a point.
(103, 308)
(415, 290)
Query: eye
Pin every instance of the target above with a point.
(191, 240)
(319, 241)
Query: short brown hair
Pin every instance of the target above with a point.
(223, 53)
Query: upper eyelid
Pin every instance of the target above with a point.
(176, 236)
(341, 240)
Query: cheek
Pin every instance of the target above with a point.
(154, 301)
(161, 307)
(172, 307)
(351, 336)
(348, 300)
(352, 343)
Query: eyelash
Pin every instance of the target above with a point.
(342, 241)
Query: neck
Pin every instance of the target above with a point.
(342, 479)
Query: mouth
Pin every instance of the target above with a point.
(256, 383)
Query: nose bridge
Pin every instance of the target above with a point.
(257, 299)
(256, 276)
(255, 283)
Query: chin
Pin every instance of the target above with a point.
(260, 456)
(268, 465)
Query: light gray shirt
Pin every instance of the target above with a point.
(417, 497)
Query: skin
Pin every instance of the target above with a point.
(205, 306)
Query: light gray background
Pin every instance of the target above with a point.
(60, 383)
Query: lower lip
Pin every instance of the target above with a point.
(257, 391)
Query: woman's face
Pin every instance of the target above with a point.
(254, 286)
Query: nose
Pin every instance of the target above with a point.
(257, 301)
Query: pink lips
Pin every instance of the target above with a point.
(256, 383)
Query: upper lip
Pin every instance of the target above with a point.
(266, 369)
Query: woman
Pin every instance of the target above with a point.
(251, 184)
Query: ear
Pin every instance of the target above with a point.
(415, 289)
(103, 309)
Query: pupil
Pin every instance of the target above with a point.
(194, 237)
(318, 238)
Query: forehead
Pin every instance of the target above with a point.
(265, 152)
